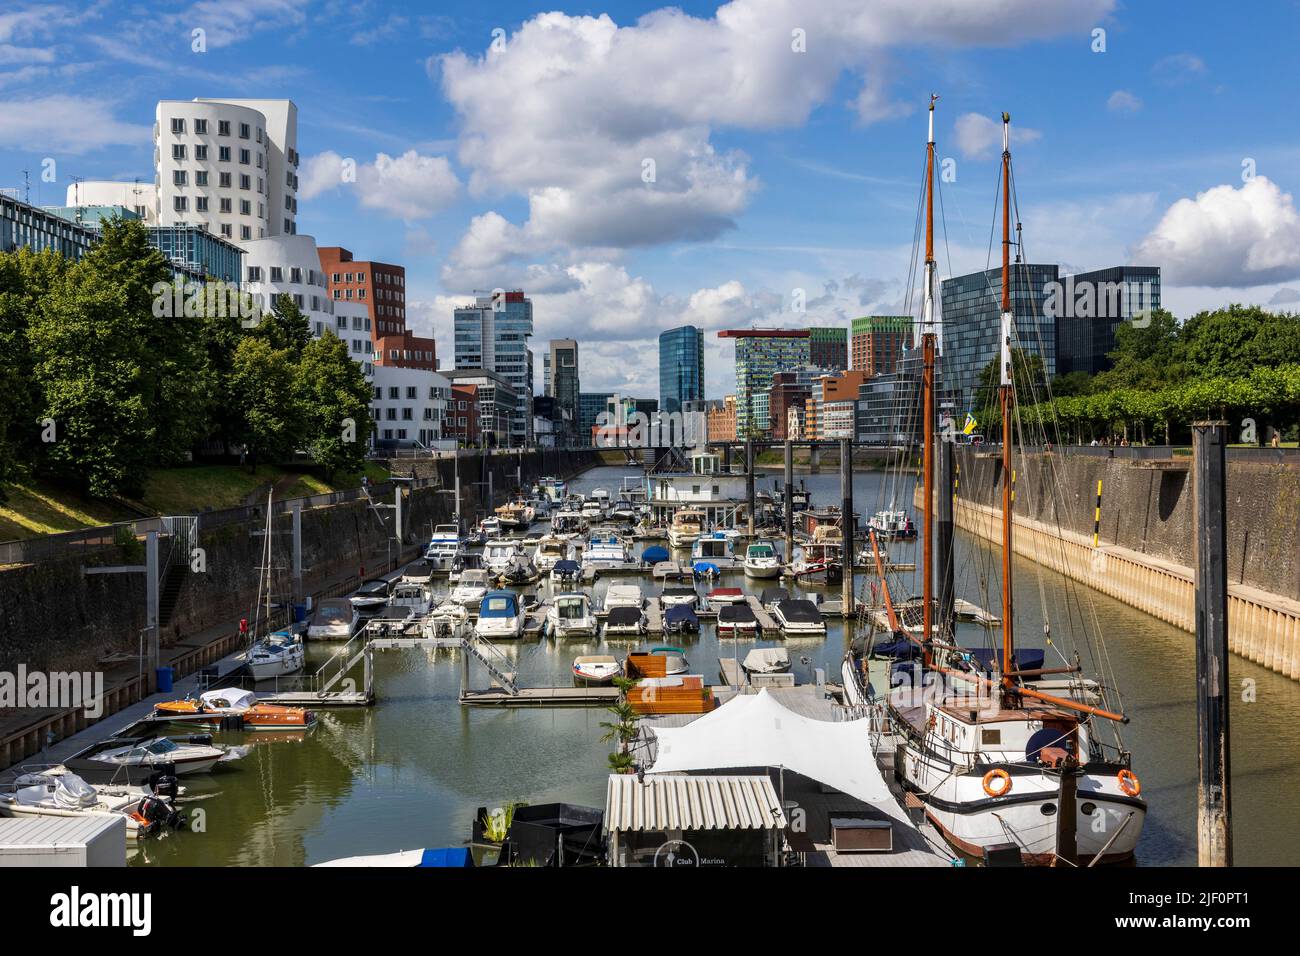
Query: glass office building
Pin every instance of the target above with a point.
(760, 354)
(681, 367)
(972, 310)
(493, 334)
(1090, 306)
(590, 406)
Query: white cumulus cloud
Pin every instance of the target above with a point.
(978, 136)
(409, 186)
(1233, 237)
(1122, 101)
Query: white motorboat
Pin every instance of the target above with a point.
(444, 545)
(276, 655)
(799, 617)
(417, 572)
(767, 660)
(498, 553)
(334, 619)
(568, 524)
(571, 615)
(185, 755)
(551, 549)
(499, 616)
(686, 527)
(892, 524)
(771, 596)
(371, 596)
(716, 549)
(820, 561)
(679, 594)
(470, 589)
(624, 595)
(592, 511)
(407, 600)
(607, 551)
(674, 659)
(490, 528)
(553, 488)
(737, 617)
(761, 561)
(59, 793)
(214, 709)
(624, 620)
(565, 574)
(625, 510)
(595, 669)
(520, 571)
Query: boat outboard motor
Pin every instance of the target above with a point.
(167, 786)
(161, 811)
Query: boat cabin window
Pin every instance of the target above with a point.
(499, 605)
(330, 614)
(570, 610)
(161, 746)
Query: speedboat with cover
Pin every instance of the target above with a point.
(796, 616)
(500, 617)
(371, 596)
(470, 589)
(56, 792)
(571, 615)
(334, 619)
(766, 660)
(737, 617)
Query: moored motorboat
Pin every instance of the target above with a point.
(571, 615)
(766, 660)
(892, 523)
(717, 549)
(184, 755)
(799, 617)
(679, 594)
(595, 668)
(279, 654)
(470, 589)
(762, 561)
(334, 619)
(371, 596)
(565, 574)
(233, 707)
(624, 621)
(733, 618)
(56, 792)
(686, 528)
(500, 617)
(498, 554)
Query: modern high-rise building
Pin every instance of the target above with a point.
(972, 310)
(493, 334)
(591, 405)
(560, 375)
(828, 347)
(1090, 306)
(681, 367)
(379, 288)
(497, 405)
(878, 341)
(760, 354)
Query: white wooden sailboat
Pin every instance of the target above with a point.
(277, 654)
(995, 758)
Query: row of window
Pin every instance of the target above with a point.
(180, 154)
(223, 128)
(381, 278)
(276, 274)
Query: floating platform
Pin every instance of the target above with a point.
(312, 698)
(541, 697)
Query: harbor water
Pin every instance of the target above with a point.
(412, 770)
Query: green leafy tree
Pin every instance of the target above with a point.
(335, 401)
(285, 326)
(25, 279)
(263, 389)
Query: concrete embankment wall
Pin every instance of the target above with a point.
(1145, 556)
(57, 618)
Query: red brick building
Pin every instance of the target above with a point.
(381, 288)
(787, 392)
(461, 422)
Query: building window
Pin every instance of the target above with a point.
(244, 181)
(201, 127)
(223, 154)
(245, 233)
(245, 207)
(225, 229)
(201, 203)
(243, 131)
(178, 151)
(223, 127)
(277, 274)
(254, 273)
(178, 125)
(201, 177)
(225, 206)
(223, 180)
(179, 177)
(180, 203)
(243, 157)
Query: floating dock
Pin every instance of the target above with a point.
(541, 697)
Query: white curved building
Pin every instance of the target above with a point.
(290, 265)
(228, 165)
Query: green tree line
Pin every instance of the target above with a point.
(1236, 363)
(102, 379)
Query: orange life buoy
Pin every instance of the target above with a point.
(1129, 783)
(997, 774)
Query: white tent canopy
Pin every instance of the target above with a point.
(757, 731)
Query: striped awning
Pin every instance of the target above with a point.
(669, 802)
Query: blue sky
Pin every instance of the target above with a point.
(775, 170)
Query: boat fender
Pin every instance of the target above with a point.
(1129, 783)
(994, 789)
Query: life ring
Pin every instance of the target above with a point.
(997, 774)
(1129, 783)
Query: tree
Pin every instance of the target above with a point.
(285, 326)
(262, 387)
(25, 278)
(335, 400)
(1072, 383)
(1144, 356)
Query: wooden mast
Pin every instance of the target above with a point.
(1005, 395)
(927, 392)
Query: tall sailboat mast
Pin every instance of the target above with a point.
(927, 391)
(1005, 396)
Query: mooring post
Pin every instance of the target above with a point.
(789, 500)
(749, 482)
(814, 458)
(151, 606)
(944, 533)
(1213, 817)
(846, 522)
